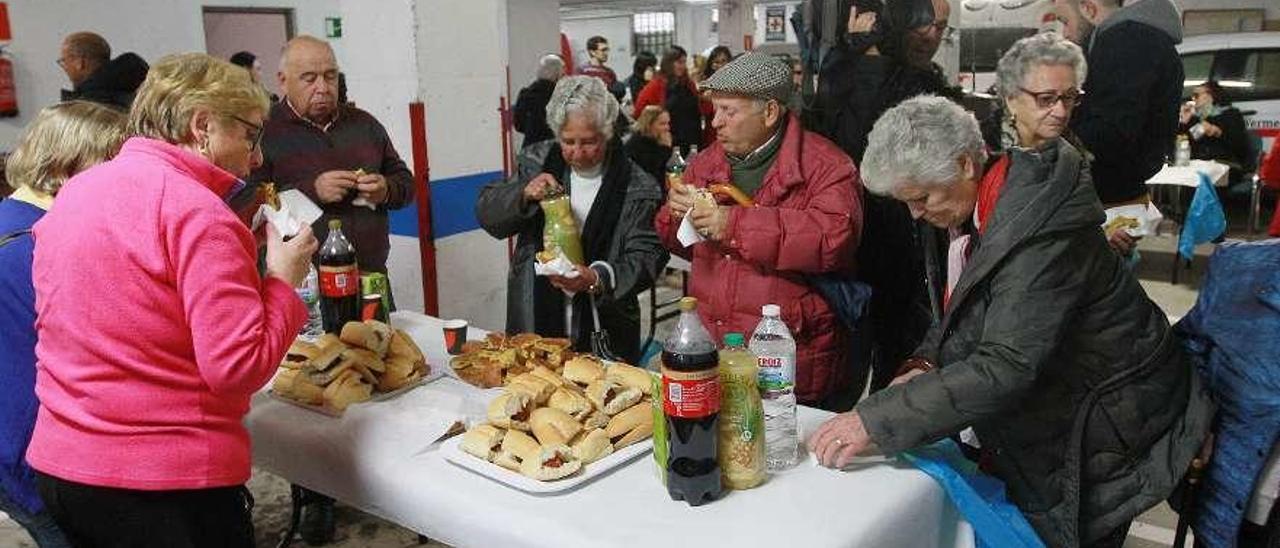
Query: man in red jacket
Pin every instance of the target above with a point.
(805, 218)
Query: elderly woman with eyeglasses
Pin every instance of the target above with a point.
(1048, 347)
(613, 202)
(154, 326)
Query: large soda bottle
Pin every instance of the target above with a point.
(775, 351)
(309, 292)
(339, 280)
(741, 451)
(691, 409)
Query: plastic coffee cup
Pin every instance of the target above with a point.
(455, 334)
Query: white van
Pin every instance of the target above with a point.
(1247, 65)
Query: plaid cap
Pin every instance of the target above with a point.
(753, 75)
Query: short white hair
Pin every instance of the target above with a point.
(585, 95)
(550, 67)
(920, 142)
(1040, 50)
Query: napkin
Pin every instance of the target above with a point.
(361, 202)
(559, 266)
(1147, 216)
(686, 234)
(425, 416)
(296, 210)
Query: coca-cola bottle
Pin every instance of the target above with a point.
(691, 406)
(339, 280)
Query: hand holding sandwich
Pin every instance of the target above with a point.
(289, 260)
(333, 186)
(371, 186)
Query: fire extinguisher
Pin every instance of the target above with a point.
(8, 90)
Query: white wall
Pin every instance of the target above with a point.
(616, 29)
(533, 30)
(693, 30)
(150, 28)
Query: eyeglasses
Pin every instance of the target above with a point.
(255, 136)
(1046, 99)
(945, 31)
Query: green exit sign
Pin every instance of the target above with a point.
(333, 27)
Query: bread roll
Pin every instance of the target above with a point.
(293, 384)
(611, 397)
(400, 372)
(300, 352)
(511, 410)
(597, 419)
(583, 370)
(366, 358)
(538, 389)
(630, 426)
(369, 334)
(507, 460)
(553, 426)
(520, 444)
(546, 374)
(482, 441)
(592, 447)
(573, 403)
(402, 346)
(326, 377)
(630, 377)
(329, 355)
(551, 463)
(347, 389)
(329, 339)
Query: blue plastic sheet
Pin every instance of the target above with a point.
(996, 522)
(1205, 220)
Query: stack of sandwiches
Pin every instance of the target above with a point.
(337, 371)
(494, 361)
(548, 425)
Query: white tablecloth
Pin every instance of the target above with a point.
(359, 461)
(1189, 175)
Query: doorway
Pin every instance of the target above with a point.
(260, 31)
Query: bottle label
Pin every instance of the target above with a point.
(339, 281)
(777, 372)
(690, 394)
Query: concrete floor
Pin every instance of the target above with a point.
(356, 529)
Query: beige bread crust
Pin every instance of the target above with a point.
(537, 388)
(506, 410)
(402, 346)
(329, 339)
(583, 369)
(400, 372)
(596, 419)
(300, 353)
(573, 403)
(345, 390)
(593, 446)
(538, 469)
(366, 358)
(542, 372)
(370, 335)
(482, 440)
(610, 397)
(293, 384)
(327, 376)
(520, 444)
(631, 425)
(553, 426)
(329, 356)
(631, 377)
(507, 460)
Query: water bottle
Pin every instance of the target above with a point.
(309, 292)
(775, 352)
(1182, 154)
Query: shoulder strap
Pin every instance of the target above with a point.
(5, 239)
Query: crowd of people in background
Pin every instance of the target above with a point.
(994, 307)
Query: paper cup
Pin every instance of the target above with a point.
(455, 334)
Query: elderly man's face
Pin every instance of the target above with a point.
(76, 67)
(944, 205)
(1074, 25)
(310, 81)
(581, 144)
(741, 125)
(922, 43)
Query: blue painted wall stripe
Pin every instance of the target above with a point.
(453, 205)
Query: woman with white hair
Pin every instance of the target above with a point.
(530, 110)
(613, 203)
(1047, 347)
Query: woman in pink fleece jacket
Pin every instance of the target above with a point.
(154, 325)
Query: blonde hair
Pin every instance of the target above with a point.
(644, 122)
(64, 140)
(179, 85)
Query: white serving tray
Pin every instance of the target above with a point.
(454, 454)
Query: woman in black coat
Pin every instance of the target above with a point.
(1217, 130)
(650, 143)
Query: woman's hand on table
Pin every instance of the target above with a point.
(290, 260)
(578, 284)
(540, 187)
(839, 440)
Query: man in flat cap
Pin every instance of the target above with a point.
(805, 221)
